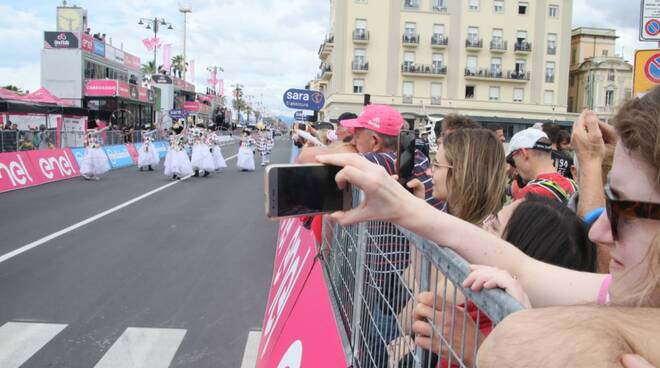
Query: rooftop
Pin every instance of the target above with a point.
(592, 31)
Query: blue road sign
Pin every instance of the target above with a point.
(304, 99)
(178, 114)
(653, 27)
(299, 116)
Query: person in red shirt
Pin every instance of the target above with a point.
(530, 153)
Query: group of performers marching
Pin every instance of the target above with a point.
(205, 145)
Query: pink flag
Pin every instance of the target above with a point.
(167, 56)
(192, 71)
(221, 82)
(152, 43)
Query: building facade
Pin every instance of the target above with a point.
(502, 62)
(599, 79)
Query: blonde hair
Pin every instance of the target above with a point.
(638, 125)
(477, 180)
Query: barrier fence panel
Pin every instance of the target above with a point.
(375, 272)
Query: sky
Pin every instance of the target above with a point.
(267, 46)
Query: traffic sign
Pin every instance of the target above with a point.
(647, 71)
(299, 116)
(304, 99)
(649, 27)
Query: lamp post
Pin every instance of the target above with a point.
(185, 9)
(154, 25)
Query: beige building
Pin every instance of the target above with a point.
(503, 62)
(599, 79)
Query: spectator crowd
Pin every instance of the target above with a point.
(565, 221)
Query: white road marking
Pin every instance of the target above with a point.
(251, 349)
(82, 223)
(19, 341)
(143, 348)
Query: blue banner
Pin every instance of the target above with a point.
(303, 99)
(99, 47)
(78, 153)
(118, 156)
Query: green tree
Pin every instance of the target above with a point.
(13, 88)
(179, 66)
(149, 68)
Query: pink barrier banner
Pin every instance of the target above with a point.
(124, 89)
(299, 327)
(29, 168)
(133, 152)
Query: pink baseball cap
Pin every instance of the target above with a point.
(382, 119)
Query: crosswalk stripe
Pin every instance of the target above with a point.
(20, 340)
(142, 348)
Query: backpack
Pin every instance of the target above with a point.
(554, 188)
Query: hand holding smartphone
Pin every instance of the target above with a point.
(304, 190)
(406, 157)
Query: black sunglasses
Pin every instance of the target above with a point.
(617, 208)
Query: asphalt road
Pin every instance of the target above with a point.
(183, 273)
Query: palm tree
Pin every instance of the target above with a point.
(179, 66)
(148, 68)
(13, 88)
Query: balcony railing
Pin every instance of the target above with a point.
(326, 47)
(360, 66)
(433, 69)
(360, 34)
(411, 39)
(473, 43)
(439, 40)
(440, 6)
(523, 46)
(496, 74)
(407, 99)
(326, 71)
(552, 50)
(550, 78)
(435, 100)
(498, 45)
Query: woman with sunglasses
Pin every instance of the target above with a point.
(630, 226)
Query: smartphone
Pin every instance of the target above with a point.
(302, 126)
(406, 156)
(303, 190)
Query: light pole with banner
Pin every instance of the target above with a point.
(185, 9)
(154, 25)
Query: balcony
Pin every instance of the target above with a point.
(440, 6)
(497, 45)
(549, 78)
(435, 101)
(326, 72)
(523, 47)
(439, 41)
(417, 70)
(552, 50)
(407, 99)
(495, 74)
(326, 47)
(410, 39)
(360, 36)
(360, 66)
(411, 4)
(474, 44)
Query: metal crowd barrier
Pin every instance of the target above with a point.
(21, 140)
(375, 270)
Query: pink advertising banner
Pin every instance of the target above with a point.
(25, 169)
(299, 327)
(124, 89)
(142, 94)
(101, 87)
(191, 106)
(132, 61)
(87, 42)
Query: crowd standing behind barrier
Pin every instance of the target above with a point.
(23, 140)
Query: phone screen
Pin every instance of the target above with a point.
(406, 156)
(297, 190)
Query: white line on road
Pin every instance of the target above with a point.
(143, 348)
(19, 341)
(82, 223)
(251, 349)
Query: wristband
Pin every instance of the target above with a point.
(592, 216)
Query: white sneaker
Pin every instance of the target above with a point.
(86, 177)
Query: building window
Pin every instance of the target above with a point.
(436, 93)
(574, 56)
(411, 4)
(361, 1)
(604, 52)
(571, 80)
(494, 94)
(438, 61)
(498, 6)
(553, 10)
(473, 34)
(571, 101)
(609, 97)
(518, 94)
(469, 92)
(408, 92)
(358, 86)
(628, 94)
(411, 29)
(552, 43)
(550, 72)
(520, 66)
(523, 7)
(439, 29)
(473, 5)
(361, 24)
(610, 75)
(549, 97)
(408, 60)
(440, 5)
(496, 66)
(472, 65)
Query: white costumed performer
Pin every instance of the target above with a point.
(94, 162)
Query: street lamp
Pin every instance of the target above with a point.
(154, 24)
(185, 9)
